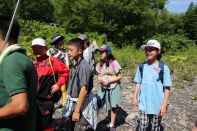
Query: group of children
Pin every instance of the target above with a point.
(29, 90)
(80, 104)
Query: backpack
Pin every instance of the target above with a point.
(161, 66)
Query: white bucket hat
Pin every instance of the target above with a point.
(152, 43)
(38, 41)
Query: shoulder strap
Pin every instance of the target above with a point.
(161, 66)
(52, 69)
(112, 64)
(99, 67)
(141, 67)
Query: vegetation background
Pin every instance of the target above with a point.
(123, 24)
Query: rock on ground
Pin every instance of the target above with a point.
(181, 112)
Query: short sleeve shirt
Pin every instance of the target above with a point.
(18, 75)
(151, 95)
(60, 54)
(86, 55)
(109, 73)
(80, 76)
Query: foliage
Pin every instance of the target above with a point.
(122, 21)
(180, 52)
(170, 23)
(129, 57)
(183, 63)
(6, 7)
(191, 22)
(174, 42)
(41, 10)
(33, 29)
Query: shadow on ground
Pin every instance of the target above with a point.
(103, 124)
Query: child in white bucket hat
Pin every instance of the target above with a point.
(152, 90)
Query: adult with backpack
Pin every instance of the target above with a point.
(109, 76)
(52, 74)
(152, 90)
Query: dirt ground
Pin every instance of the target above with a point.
(181, 112)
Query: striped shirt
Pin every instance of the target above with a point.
(62, 56)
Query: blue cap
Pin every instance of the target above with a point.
(55, 38)
(106, 48)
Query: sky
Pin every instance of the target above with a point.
(179, 6)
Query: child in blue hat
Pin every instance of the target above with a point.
(109, 76)
(58, 52)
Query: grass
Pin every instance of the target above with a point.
(181, 63)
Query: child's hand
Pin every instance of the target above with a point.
(75, 116)
(54, 88)
(135, 102)
(163, 110)
(106, 82)
(94, 42)
(100, 80)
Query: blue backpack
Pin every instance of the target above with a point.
(161, 66)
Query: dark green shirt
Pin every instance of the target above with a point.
(17, 75)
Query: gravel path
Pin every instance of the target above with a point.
(181, 114)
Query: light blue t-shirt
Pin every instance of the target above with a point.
(151, 95)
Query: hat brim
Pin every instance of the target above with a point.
(100, 49)
(144, 46)
(38, 45)
(56, 39)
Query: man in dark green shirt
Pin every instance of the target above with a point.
(18, 82)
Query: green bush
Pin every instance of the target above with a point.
(180, 56)
(173, 43)
(33, 29)
(183, 63)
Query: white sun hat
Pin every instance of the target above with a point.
(38, 41)
(152, 43)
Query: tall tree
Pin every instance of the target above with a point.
(191, 22)
(121, 20)
(170, 23)
(6, 7)
(41, 10)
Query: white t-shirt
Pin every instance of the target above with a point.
(86, 55)
(151, 95)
